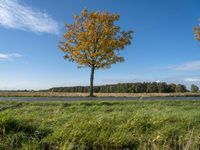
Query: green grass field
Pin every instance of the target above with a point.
(100, 125)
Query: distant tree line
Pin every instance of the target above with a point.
(145, 87)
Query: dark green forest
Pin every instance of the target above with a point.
(145, 87)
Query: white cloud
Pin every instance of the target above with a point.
(192, 79)
(10, 56)
(189, 66)
(17, 16)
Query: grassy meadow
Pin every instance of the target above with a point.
(100, 125)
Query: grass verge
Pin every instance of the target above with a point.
(100, 125)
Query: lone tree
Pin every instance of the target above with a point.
(194, 88)
(93, 40)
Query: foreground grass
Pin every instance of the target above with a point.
(100, 125)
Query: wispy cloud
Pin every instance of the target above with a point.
(17, 16)
(192, 79)
(4, 57)
(188, 66)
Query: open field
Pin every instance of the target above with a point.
(100, 125)
(66, 94)
(81, 98)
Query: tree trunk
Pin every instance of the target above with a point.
(91, 82)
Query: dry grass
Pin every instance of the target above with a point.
(65, 94)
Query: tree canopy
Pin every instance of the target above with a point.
(94, 40)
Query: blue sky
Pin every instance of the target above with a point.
(163, 47)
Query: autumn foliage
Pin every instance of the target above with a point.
(197, 32)
(94, 41)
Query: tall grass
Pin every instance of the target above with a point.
(100, 125)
